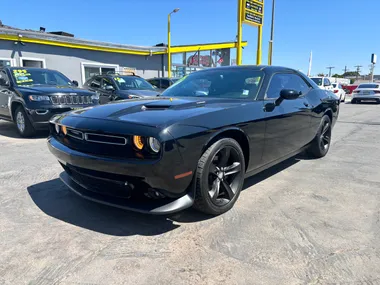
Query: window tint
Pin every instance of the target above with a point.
(95, 83)
(368, 86)
(154, 82)
(326, 82)
(218, 83)
(286, 81)
(317, 81)
(165, 83)
(106, 83)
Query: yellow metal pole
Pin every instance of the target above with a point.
(239, 33)
(259, 43)
(169, 54)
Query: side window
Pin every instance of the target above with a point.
(326, 82)
(107, 84)
(155, 82)
(165, 83)
(4, 76)
(281, 81)
(95, 82)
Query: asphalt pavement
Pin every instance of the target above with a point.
(300, 222)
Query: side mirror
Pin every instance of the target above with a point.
(75, 83)
(109, 88)
(288, 94)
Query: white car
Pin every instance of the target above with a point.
(338, 91)
(323, 83)
(366, 92)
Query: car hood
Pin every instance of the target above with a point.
(49, 89)
(157, 112)
(142, 93)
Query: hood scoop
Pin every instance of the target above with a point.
(155, 107)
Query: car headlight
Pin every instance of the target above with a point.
(138, 141)
(154, 144)
(39, 98)
(95, 97)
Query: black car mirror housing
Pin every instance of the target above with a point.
(75, 83)
(288, 94)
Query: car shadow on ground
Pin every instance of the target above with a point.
(57, 201)
(8, 129)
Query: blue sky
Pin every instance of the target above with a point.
(339, 32)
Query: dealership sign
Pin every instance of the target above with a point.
(253, 12)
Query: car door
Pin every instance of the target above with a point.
(107, 90)
(94, 85)
(5, 94)
(287, 123)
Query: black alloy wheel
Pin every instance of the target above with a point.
(321, 143)
(220, 177)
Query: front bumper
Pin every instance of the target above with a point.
(122, 183)
(40, 117)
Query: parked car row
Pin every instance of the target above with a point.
(31, 96)
(336, 88)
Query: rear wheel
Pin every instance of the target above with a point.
(353, 101)
(24, 126)
(321, 143)
(219, 177)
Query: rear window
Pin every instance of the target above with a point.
(372, 86)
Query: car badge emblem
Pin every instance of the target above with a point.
(73, 93)
(143, 108)
(171, 99)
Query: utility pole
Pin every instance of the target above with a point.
(345, 69)
(330, 68)
(357, 71)
(270, 53)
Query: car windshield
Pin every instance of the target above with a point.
(317, 81)
(218, 83)
(373, 86)
(131, 82)
(27, 76)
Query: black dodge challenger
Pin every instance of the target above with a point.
(195, 144)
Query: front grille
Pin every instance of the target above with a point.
(106, 183)
(106, 139)
(70, 99)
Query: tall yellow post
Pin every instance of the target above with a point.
(239, 33)
(169, 54)
(259, 44)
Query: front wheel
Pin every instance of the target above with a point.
(321, 143)
(24, 126)
(219, 177)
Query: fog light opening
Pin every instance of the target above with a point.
(154, 194)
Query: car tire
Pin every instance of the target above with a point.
(320, 146)
(353, 101)
(219, 177)
(23, 125)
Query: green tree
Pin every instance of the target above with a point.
(320, 74)
(337, 75)
(351, 73)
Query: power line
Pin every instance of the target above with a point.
(358, 70)
(330, 68)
